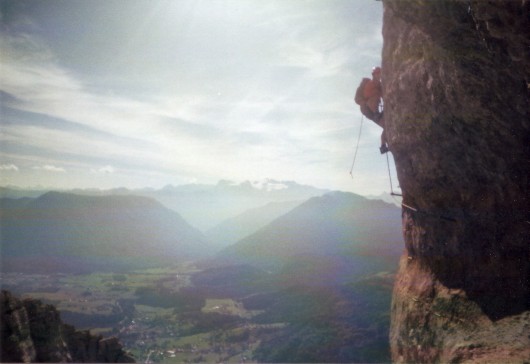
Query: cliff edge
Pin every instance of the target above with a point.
(455, 79)
(31, 331)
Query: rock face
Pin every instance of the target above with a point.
(455, 79)
(33, 332)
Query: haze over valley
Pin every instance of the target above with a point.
(282, 262)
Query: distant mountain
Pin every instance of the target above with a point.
(234, 229)
(9, 205)
(329, 238)
(12, 192)
(386, 197)
(60, 231)
(203, 206)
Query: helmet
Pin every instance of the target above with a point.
(376, 70)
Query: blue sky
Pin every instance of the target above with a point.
(137, 93)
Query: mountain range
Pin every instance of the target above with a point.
(234, 229)
(74, 232)
(325, 239)
(204, 206)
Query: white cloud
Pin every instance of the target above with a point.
(49, 168)
(269, 185)
(105, 170)
(277, 104)
(8, 167)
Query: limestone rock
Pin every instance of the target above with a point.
(33, 332)
(16, 344)
(455, 80)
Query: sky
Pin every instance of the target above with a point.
(146, 93)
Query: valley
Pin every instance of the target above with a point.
(161, 315)
(286, 280)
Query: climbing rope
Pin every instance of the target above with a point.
(392, 193)
(357, 147)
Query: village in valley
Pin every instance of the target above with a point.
(220, 330)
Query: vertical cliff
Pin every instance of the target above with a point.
(31, 331)
(455, 79)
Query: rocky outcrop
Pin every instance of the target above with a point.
(33, 332)
(455, 79)
(16, 344)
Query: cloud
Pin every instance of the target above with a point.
(41, 86)
(269, 185)
(240, 90)
(8, 167)
(104, 170)
(49, 168)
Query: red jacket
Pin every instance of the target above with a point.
(373, 89)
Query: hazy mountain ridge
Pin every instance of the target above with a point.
(74, 230)
(328, 235)
(315, 292)
(14, 203)
(16, 192)
(234, 229)
(86, 228)
(386, 197)
(203, 206)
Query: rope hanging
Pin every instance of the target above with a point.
(357, 147)
(392, 193)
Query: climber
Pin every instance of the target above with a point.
(369, 96)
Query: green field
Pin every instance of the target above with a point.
(159, 331)
(226, 307)
(167, 315)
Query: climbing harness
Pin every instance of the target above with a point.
(357, 147)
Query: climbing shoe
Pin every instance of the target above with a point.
(383, 149)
